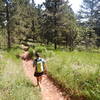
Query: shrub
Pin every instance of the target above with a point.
(40, 49)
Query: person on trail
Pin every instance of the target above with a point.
(40, 68)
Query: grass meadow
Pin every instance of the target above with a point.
(78, 71)
(13, 84)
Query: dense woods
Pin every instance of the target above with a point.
(53, 22)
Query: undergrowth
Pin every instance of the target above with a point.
(13, 84)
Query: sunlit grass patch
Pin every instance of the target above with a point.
(79, 71)
(13, 84)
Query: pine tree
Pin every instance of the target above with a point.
(97, 26)
(59, 23)
(5, 18)
(2, 24)
(52, 8)
(2, 13)
(22, 22)
(87, 18)
(87, 11)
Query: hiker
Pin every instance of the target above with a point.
(40, 68)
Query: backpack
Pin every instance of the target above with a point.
(39, 65)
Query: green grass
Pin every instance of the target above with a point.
(79, 71)
(13, 84)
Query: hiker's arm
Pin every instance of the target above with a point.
(34, 64)
(45, 68)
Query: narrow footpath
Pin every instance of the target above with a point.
(48, 90)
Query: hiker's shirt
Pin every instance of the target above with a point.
(39, 65)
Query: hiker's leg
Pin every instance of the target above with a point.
(40, 78)
(37, 80)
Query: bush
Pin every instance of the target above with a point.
(80, 48)
(44, 52)
(40, 49)
(31, 52)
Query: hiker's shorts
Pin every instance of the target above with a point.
(38, 74)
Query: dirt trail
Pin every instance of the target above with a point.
(48, 90)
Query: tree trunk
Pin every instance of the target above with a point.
(55, 45)
(8, 29)
(55, 33)
(47, 42)
(9, 39)
(66, 42)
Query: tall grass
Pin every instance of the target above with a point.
(79, 71)
(13, 84)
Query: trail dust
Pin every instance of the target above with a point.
(48, 90)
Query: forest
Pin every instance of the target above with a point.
(53, 22)
(69, 41)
